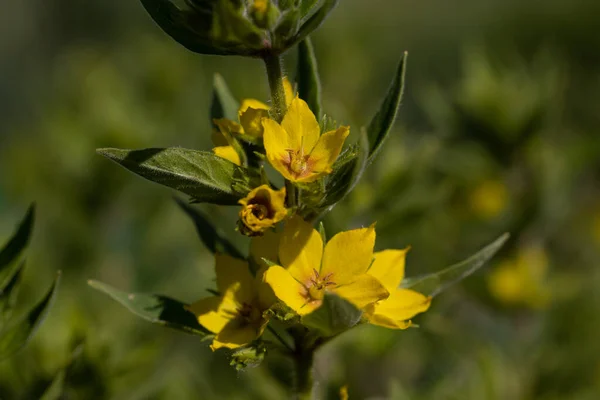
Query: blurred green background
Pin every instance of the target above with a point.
(498, 132)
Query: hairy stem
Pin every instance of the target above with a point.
(303, 365)
(275, 76)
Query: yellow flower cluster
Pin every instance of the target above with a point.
(302, 269)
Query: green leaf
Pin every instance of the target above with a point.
(9, 292)
(309, 85)
(18, 334)
(434, 284)
(384, 119)
(312, 20)
(17, 243)
(334, 316)
(212, 237)
(200, 174)
(232, 29)
(160, 310)
(224, 104)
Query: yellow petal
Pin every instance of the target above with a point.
(301, 126)
(233, 335)
(250, 120)
(348, 255)
(363, 291)
(286, 288)
(327, 149)
(388, 268)
(300, 249)
(265, 246)
(252, 103)
(277, 144)
(402, 305)
(228, 127)
(266, 297)
(228, 153)
(215, 312)
(289, 91)
(234, 272)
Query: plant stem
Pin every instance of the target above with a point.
(303, 364)
(275, 76)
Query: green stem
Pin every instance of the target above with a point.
(303, 366)
(275, 76)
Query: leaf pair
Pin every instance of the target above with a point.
(15, 333)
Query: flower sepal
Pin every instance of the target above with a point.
(250, 356)
(334, 316)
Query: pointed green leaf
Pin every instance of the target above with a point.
(200, 174)
(434, 284)
(18, 334)
(309, 85)
(224, 104)
(312, 20)
(212, 237)
(383, 121)
(334, 316)
(160, 310)
(17, 243)
(8, 293)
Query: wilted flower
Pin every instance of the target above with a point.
(236, 315)
(403, 304)
(297, 149)
(261, 210)
(308, 271)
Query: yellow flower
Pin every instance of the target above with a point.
(250, 115)
(489, 199)
(261, 210)
(307, 270)
(297, 149)
(236, 315)
(521, 281)
(403, 304)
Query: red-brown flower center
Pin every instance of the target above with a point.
(317, 285)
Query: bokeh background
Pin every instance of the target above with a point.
(498, 132)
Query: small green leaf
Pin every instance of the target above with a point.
(334, 316)
(322, 232)
(312, 20)
(384, 119)
(18, 334)
(17, 243)
(269, 262)
(160, 310)
(200, 174)
(250, 356)
(434, 284)
(9, 292)
(212, 238)
(224, 104)
(309, 85)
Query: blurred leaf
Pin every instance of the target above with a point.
(312, 20)
(383, 121)
(56, 388)
(434, 284)
(224, 104)
(334, 316)
(309, 85)
(160, 310)
(18, 334)
(200, 174)
(9, 292)
(212, 238)
(17, 243)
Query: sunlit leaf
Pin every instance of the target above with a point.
(334, 316)
(309, 85)
(160, 310)
(383, 121)
(435, 283)
(200, 174)
(16, 335)
(212, 238)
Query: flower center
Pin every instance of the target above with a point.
(318, 284)
(250, 315)
(260, 211)
(298, 163)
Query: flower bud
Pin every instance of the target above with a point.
(261, 210)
